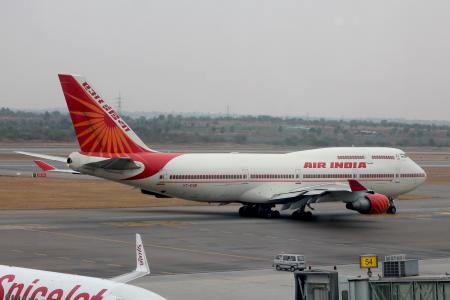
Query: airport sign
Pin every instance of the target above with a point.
(368, 261)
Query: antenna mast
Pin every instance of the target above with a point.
(119, 103)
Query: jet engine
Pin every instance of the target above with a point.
(370, 204)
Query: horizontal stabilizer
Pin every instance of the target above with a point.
(142, 268)
(49, 168)
(44, 166)
(115, 164)
(44, 156)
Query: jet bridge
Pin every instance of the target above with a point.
(329, 285)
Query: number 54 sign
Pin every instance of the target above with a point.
(368, 261)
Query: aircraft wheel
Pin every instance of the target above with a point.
(278, 268)
(244, 211)
(308, 215)
(275, 214)
(392, 210)
(292, 269)
(302, 215)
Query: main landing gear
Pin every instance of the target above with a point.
(259, 211)
(301, 214)
(392, 210)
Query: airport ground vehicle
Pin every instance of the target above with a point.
(289, 262)
(21, 283)
(366, 179)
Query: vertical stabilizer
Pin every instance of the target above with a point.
(99, 128)
(142, 268)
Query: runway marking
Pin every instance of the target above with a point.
(88, 261)
(63, 257)
(24, 226)
(17, 251)
(114, 265)
(154, 245)
(270, 237)
(149, 223)
(167, 273)
(40, 254)
(297, 240)
(227, 232)
(445, 213)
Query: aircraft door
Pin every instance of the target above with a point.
(245, 176)
(298, 175)
(397, 169)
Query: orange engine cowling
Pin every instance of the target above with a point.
(370, 204)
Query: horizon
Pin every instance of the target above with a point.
(153, 114)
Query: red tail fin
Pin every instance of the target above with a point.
(99, 129)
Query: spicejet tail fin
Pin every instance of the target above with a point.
(99, 128)
(142, 268)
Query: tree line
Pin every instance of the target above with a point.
(54, 126)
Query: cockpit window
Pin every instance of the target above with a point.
(403, 155)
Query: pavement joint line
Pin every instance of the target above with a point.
(154, 245)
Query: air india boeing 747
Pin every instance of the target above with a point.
(366, 179)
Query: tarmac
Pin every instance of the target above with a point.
(209, 252)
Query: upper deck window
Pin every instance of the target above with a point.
(350, 157)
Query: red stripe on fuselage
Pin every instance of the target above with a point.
(153, 163)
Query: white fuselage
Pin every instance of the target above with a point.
(255, 178)
(20, 283)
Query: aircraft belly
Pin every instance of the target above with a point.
(207, 192)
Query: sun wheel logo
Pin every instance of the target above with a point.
(96, 130)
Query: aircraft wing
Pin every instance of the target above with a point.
(44, 156)
(312, 191)
(142, 268)
(327, 192)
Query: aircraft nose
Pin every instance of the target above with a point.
(423, 174)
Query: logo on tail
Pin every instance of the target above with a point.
(99, 128)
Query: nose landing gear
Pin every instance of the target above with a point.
(259, 211)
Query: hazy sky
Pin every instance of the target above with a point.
(346, 58)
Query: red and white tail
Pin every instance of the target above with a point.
(100, 130)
